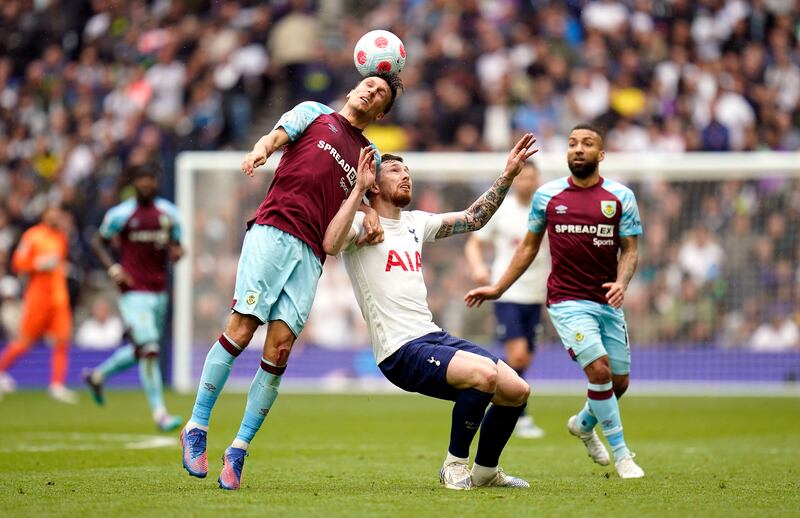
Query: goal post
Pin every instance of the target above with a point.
(675, 193)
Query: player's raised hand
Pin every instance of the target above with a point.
(520, 153)
(476, 297)
(366, 172)
(252, 160)
(616, 294)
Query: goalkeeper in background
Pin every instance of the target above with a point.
(42, 256)
(146, 231)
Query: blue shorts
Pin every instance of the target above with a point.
(144, 313)
(276, 278)
(518, 321)
(421, 364)
(590, 330)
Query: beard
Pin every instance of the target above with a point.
(583, 170)
(401, 199)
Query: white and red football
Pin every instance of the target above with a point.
(379, 51)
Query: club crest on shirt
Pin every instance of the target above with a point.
(579, 337)
(609, 208)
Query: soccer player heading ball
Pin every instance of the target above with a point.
(588, 219)
(410, 349)
(282, 255)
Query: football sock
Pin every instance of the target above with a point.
(238, 443)
(263, 392)
(586, 419)
(603, 404)
(450, 458)
(150, 378)
(467, 414)
(497, 426)
(59, 362)
(216, 370)
(122, 359)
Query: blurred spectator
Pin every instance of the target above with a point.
(778, 334)
(102, 330)
(700, 256)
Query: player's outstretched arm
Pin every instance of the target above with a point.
(340, 231)
(626, 267)
(266, 145)
(523, 257)
(486, 205)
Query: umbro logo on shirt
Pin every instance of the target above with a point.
(561, 209)
(333, 128)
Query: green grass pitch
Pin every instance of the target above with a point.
(359, 455)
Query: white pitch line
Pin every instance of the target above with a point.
(94, 442)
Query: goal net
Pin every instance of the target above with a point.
(714, 300)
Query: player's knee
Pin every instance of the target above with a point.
(520, 393)
(621, 386)
(240, 329)
(278, 347)
(485, 377)
(598, 372)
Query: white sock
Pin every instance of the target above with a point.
(238, 443)
(192, 424)
(97, 377)
(481, 474)
(159, 414)
(451, 459)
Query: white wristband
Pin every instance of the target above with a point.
(114, 270)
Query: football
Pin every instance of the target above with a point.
(379, 51)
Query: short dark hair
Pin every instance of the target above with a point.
(150, 168)
(388, 157)
(395, 86)
(590, 127)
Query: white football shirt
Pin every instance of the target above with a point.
(505, 231)
(388, 283)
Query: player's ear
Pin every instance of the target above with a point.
(374, 188)
(380, 116)
(601, 155)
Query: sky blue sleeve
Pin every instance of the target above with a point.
(169, 208)
(538, 215)
(377, 157)
(296, 120)
(116, 218)
(630, 224)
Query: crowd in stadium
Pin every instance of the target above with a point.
(107, 84)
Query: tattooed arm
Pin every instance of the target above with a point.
(485, 206)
